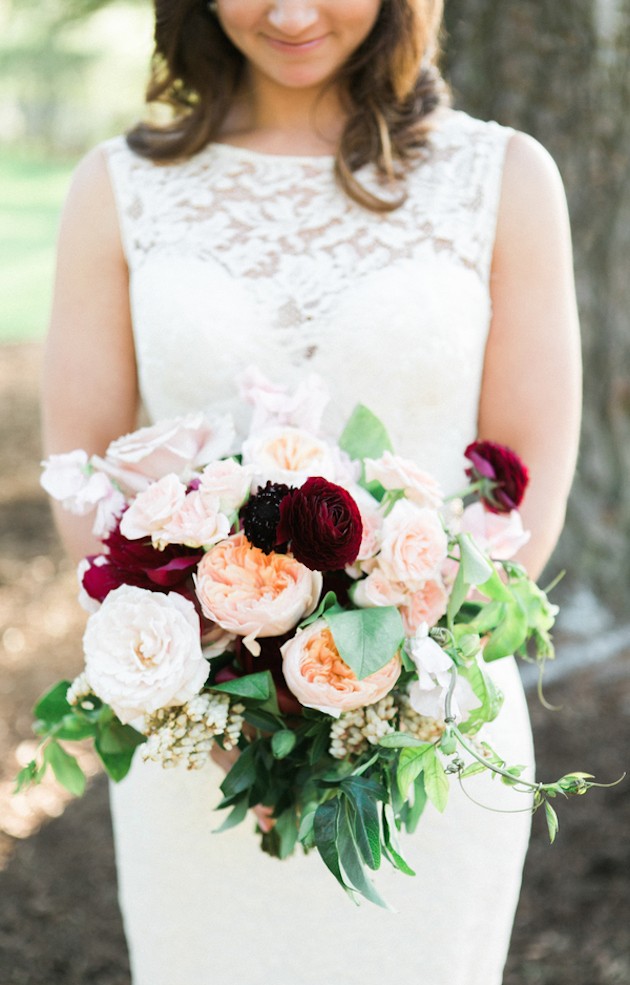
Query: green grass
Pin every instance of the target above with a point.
(32, 190)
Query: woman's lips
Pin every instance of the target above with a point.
(295, 48)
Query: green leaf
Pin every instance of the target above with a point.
(256, 687)
(282, 743)
(490, 698)
(364, 796)
(415, 810)
(74, 727)
(364, 436)
(328, 603)
(351, 861)
(473, 770)
(118, 739)
(30, 775)
(367, 639)
(242, 775)
(286, 828)
(262, 720)
(552, 821)
(457, 597)
(325, 829)
(117, 764)
(488, 617)
(66, 769)
(435, 780)
(476, 566)
(410, 764)
(236, 815)
(495, 588)
(508, 635)
(389, 828)
(53, 706)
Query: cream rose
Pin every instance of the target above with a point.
(320, 679)
(289, 455)
(254, 594)
(143, 651)
(394, 472)
(180, 445)
(414, 545)
(153, 509)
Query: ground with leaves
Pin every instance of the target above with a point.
(59, 924)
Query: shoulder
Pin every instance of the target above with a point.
(533, 202)
(90, 214)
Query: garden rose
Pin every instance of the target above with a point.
(143, 652)
(322, 525)
(500, 535)
(414, 545)
(394, 472)
(503, 475)
(320, 679)
(288, 455)
(179, 445)
(377, 590)
(426, 605)
(153, 509)
(251, 593)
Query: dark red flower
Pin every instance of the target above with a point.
(502, 475)
(261, 515)
(322, 524)
(139, 563)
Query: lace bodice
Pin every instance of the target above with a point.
(238, 257)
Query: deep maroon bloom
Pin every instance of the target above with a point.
(139, 563)
(261, 516)
(322, 522)
(503, 475)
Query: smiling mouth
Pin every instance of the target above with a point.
(295, 46)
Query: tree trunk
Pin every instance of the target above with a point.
(561, 72)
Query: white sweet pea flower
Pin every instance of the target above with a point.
(71, 480)
(427, 695)
(276, 406)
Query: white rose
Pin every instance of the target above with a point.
(143, 651)
(180, 445)
(414, 545)
(229, 481)
(289, 455)
(153, 509)
(394, 472)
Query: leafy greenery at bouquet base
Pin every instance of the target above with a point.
(351, 809)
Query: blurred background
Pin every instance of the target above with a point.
(72, 72)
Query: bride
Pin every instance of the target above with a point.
(314, 205)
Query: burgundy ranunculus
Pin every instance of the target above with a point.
(503, 475)
(139, 563)
(322, 522)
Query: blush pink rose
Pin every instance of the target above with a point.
(394, 472)
(378, 590)
(180, 445)
(153, 509)
(500, 535)
(251, 593)
(414, 545)
(320, 679)
(229, 481)
(288, 455)
(199, 522)
(426, 605)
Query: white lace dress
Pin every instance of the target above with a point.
(238, 257)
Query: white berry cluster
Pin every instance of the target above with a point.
(185, 735)
(353, 732)
(421, 727)
(78, 689)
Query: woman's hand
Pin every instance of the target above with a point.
(226, 759)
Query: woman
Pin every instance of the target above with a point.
(315, 206)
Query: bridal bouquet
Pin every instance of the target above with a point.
(318, 605)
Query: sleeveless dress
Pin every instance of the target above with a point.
(238, 257)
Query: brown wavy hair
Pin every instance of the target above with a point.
(390, 85)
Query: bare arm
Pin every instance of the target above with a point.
(531, 389)
(89, 391)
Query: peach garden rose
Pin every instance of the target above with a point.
(320, 679)
(288, 454)
(251, 593)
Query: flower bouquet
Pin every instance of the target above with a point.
(318, 605)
